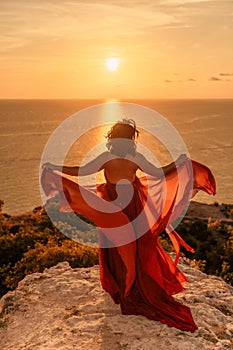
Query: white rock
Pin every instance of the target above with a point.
(65, 308)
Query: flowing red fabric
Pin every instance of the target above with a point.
(134, 268)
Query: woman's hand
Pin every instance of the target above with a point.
(182, 158)
(50, 166)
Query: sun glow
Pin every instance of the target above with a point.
(112, 63)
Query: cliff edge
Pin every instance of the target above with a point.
(66, 309)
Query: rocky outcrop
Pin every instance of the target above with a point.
(64, 308)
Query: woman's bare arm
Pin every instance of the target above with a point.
(91, 167)
(150, 169)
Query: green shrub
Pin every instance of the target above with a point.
(35, 244)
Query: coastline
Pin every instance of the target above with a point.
(196, 209)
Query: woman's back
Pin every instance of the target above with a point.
(118, 169)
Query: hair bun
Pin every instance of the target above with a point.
(128, 121)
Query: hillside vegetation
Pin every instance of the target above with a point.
(30, 243)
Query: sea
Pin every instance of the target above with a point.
(206, 127)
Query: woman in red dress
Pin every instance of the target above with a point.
(134, 268)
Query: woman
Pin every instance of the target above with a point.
(137, 272)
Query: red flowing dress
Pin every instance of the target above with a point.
(134, 269)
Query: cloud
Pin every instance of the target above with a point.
(31, 24)
(215, 79)
(181, 2)
(226, 74)
(38, 26)
(179, 81)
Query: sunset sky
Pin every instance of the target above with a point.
(165, 49)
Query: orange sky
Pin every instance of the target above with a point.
(166, 49)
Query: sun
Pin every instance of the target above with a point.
(112, 63)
